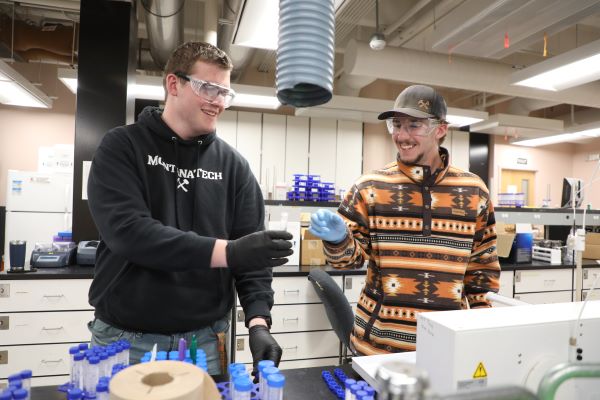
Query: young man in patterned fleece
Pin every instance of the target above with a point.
(426, 228)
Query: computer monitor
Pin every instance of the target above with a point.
(572, 187)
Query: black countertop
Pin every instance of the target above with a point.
(300, 384)
(78, 272)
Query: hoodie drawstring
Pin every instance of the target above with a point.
(174, 140)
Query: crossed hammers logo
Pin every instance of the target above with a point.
(181, 184)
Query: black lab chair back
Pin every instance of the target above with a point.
(338, 309)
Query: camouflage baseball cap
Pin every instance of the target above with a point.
(418, 101)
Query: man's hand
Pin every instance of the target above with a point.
(328, 226)
(259, 250)
(263, 347)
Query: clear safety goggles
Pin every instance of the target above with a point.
(209, 91)
(414, 127)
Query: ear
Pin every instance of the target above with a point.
(441, 131)
(171, 85)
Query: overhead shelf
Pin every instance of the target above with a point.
(546, 216)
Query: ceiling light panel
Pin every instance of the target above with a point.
(573, 68)
(16, 90)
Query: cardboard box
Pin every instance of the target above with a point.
(514, 247)
(311, 249)
(592, 246)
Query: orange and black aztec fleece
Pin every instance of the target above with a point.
(430, 242)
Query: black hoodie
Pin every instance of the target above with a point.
(159, 203)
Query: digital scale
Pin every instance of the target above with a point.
(55, 255)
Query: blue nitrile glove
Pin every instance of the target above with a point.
(328, 226)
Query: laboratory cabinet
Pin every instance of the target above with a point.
(39, 320)
(299, 324)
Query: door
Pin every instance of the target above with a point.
(523, 181)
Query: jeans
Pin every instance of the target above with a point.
(103, 334)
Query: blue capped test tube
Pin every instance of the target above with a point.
(275, 384)
(242, 388)
(26, 378)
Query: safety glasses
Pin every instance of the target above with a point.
(207, 90)
(414, 127)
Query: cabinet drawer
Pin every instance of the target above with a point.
(42, 360)
(296, 290)
(595, 295)
(545, 298)
(317, 362)
(506, 283)
(353, 285)
(44, 295)
(296, 346)
(44, 327)
(543, 280)
(291, 318)
(589, 275)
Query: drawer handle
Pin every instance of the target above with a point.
(290, 319)
(52, 329)
(549, 282)
(295, 348)
(297, 291)
(51, 361)
(53, 295)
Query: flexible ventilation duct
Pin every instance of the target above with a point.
(305, 52)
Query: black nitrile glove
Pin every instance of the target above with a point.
(263, 347)
(259, 250)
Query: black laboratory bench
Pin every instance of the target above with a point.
(78, 272)
(300, 384)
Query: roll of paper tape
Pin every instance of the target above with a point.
(163, 380)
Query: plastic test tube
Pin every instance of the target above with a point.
(275, 383)
(236, 374)
(20, 394)
(262, 387)
(265, 373)
(26, 379)
(234, 367)
(74, 394)
(91, 374)
(347, 384)
(102, 390)
(360, 394)
(77, 377)
(353, 389)
(242, 389)
(72, 351)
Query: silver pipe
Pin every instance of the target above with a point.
(164, 23)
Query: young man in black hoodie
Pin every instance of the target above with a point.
(181, 218)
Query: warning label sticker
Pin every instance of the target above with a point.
(480, 372)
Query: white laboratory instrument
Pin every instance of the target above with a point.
(483, 348)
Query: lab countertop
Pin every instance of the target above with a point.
(87, 272)
(300, 384)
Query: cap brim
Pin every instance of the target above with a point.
(404, 111)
